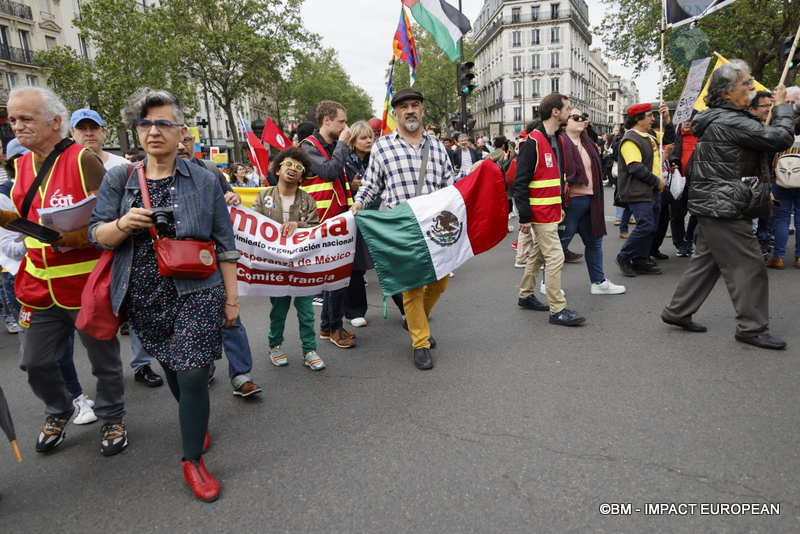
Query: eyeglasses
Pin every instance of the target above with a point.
(289, 165)
(144, 125)
(188, 139)
(577, 118)
(764, 106)
(748, 83)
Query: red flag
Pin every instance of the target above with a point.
(258, 154)
(274, 136)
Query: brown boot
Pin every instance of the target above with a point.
(776, 263)
(797, 263)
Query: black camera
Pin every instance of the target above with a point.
(161, 218)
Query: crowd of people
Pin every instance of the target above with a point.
(725, 167)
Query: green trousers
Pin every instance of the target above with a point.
(305, 316)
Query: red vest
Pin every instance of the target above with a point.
(545, 185)
(47, 277)
(332, 198)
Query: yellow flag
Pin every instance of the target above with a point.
(700, 103)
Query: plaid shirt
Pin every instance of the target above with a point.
(393, 170)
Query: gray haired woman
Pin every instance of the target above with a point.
(178, 320)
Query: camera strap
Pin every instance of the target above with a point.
(60, 147)
(145, 193)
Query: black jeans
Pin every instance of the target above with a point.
(332, 310)
(355, 298)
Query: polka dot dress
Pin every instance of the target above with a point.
(181, 332)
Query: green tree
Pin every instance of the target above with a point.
(437, 78)
(319, 77)
(748, 30)
(133, 50)
(237, 48)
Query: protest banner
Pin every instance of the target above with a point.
(691, 90)
(306, 263)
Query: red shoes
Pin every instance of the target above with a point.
(203, 484)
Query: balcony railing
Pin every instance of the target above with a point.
(15, 9)
(542, 17)
(17, 55)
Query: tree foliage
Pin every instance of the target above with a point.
(133, 49)
(748, 29)
(436, 78)
(320, 76)
(238, 48)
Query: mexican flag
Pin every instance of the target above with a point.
(424, 239)
(446, 23)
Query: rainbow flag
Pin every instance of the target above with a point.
(404, 47)
(388, 124)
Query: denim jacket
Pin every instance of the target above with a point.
(199, 211)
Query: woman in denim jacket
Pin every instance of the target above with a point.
(177, 320)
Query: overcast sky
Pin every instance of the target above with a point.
(361, 31)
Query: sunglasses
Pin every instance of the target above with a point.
(577, 118)
(289, 165)
(144, 125)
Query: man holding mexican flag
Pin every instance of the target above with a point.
(403, 165)
(431, 229)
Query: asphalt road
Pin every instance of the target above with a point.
(521, 426)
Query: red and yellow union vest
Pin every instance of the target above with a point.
(545, 186)
(332, 198)
(47, 277)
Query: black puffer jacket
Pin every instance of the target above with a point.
(732, 144)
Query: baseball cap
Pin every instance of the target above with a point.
(15, 149)
(81, 114)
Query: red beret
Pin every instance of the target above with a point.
(639, 108)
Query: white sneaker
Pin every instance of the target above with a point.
(358, 321)
(85, 412)
(519, 265)
(12, 327)
(606, 287)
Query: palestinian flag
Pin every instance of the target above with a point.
(446, 23)
(424, 239)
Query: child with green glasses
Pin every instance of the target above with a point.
(292, 208)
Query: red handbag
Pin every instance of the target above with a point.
(179, 258)
(96, 316)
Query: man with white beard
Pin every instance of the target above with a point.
(394, 173)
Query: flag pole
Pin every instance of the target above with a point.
(786, 67)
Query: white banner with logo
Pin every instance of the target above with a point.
(308, 262)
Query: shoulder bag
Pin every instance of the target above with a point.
(179, 258)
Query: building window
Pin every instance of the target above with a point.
(517, 89)
(516, 39)
(4, 36)
(534, 37)
(84, 48)
(32, 81)
(535, 87)
(517, 114)
(554, 35)
(24, 40)
(516, 14)
(535, 13)
(555, 85)
(535, 65)
(535, 112)
(611, 108)
(554, 10)
(11, 80)
(516, 63)
(555, 60)
(50, 42)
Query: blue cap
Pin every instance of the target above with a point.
(81, 114)
(15, 149)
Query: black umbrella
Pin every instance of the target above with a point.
(8, 425)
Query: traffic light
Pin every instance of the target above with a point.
(455, 121)
(785, 50)
(465, 78)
